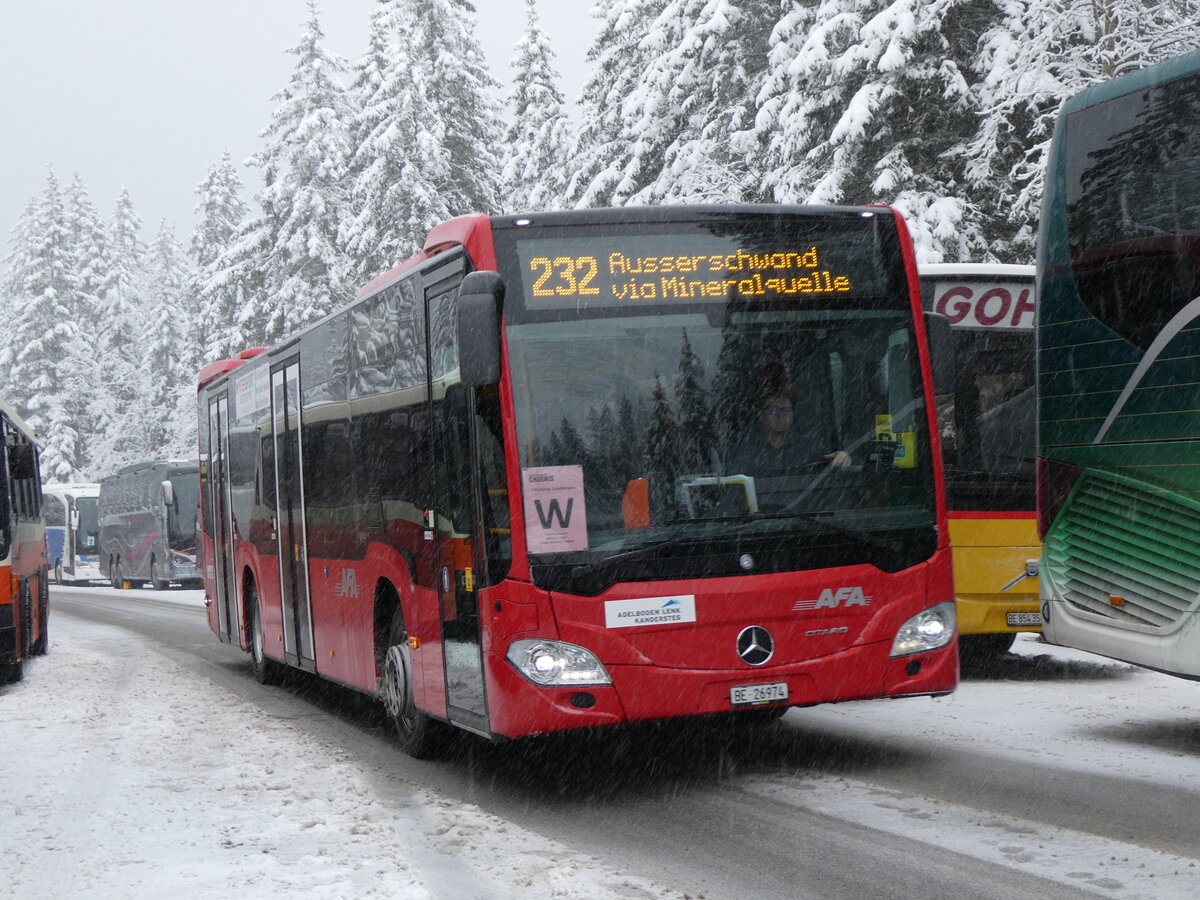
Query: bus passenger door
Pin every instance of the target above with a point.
(291, 541)
(454, 515)
(222, 522)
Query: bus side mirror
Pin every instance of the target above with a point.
(480, 299)
(941, 352)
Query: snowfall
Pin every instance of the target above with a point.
(125, 775)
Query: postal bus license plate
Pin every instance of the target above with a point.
(1024, 618)
(754, 694)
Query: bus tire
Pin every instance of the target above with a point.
(42, 644)
(419, 735)
(12, 672)
(266, 670)
(984, 648)
(155, 582)
(114, 574)
(58, 571)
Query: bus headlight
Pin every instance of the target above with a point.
(927, 630)
(556, 663)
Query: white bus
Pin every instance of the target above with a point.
(72, 531)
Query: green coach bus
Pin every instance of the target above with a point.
(1118, 343)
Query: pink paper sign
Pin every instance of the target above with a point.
(555, 518)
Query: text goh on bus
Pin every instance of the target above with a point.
(496, 489)
(72, 522)
(24, 597)
(989, 440)
(1118, 369)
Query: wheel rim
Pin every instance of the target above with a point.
(395, 684)
(256, 641)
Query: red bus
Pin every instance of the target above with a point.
(507, 488)
(24, 598)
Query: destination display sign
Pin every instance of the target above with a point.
(637, 270)
(986, 304)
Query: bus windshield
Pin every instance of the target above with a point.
(87, 535)
(181, 515)
(690, 420)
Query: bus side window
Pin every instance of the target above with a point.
(55, 513)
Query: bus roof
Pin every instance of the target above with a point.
(76, 488)
(977, 270)
(1129, 83)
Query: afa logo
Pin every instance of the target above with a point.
(834, 598)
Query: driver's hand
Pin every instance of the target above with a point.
(838, 458)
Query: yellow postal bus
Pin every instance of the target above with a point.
(988, 429)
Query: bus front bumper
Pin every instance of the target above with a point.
(518, 708)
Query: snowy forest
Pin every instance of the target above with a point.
(942, 108)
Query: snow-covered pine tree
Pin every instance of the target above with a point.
(401, 167)
(168, 361)
(1038, 55)
(304, 196)
(221, 212)
(459, 86)
(89, 242)
(118, 440)
(617, 60)
(705, 60)
(538, 140)
(864, 102)
(42, 337)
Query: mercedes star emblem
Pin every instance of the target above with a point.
(755, 645)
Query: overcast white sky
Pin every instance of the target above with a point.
(146, 94)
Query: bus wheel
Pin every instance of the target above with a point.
(420, 736)
(12, 672)
(266, 671)
(114, 575)
(982, 649)
(42, 644)
(157, 583)
(58, 572)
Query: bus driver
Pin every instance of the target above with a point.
(776, 447)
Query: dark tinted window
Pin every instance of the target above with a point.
(988, 427)
(55, 512)
(1133, 207)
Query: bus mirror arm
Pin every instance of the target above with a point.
(480, 301)
(941, 352)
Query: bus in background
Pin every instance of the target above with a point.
(1118, 369)
(499, 490)
(988, 429)
(147, 516)
(72, 531)
(24, 597)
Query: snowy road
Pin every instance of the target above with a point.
(144, 761)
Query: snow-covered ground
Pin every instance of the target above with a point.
(126, 776)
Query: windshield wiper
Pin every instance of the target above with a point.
(865, 537)
(629, 555)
